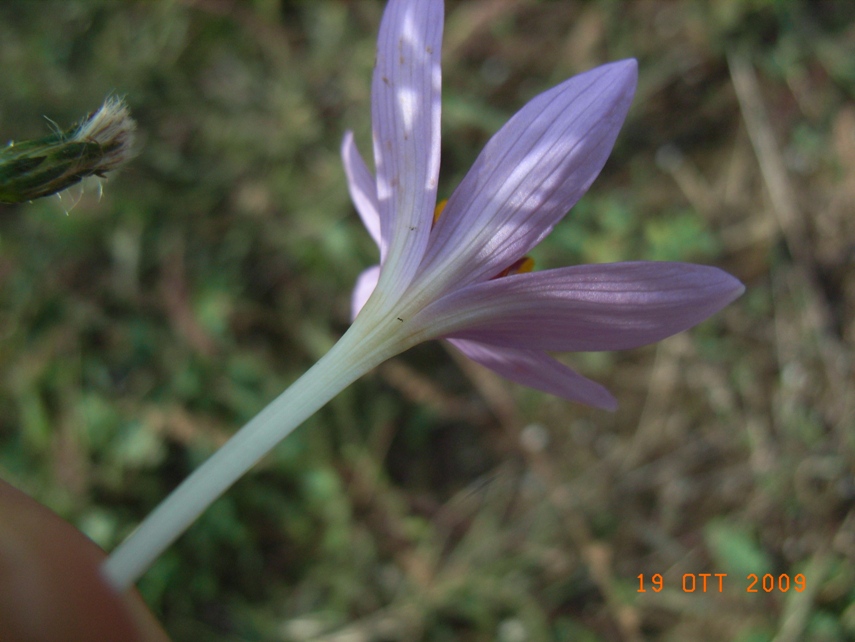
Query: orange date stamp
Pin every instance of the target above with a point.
(716, 583)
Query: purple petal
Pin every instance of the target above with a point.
(531, 173)
(538, 370)
(365, 284)
(362, 188)
(405, 102)
(583, 308)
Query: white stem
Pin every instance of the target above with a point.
(341, 366)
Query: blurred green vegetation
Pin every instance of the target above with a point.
(141, 326)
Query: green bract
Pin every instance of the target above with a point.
(34, 168)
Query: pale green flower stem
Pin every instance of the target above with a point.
(350, 358)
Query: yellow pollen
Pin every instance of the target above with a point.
(437, 212)
(520, 266)
(527, 265)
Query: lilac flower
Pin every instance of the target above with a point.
(439, 280)
(462, 277)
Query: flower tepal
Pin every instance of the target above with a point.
(440, 280)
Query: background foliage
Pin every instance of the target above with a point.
(139, 327)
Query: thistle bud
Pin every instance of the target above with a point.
(99, 143)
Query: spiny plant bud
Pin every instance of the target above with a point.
(101, 142)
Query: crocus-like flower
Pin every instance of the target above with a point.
(442, 280)
(458, 276)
